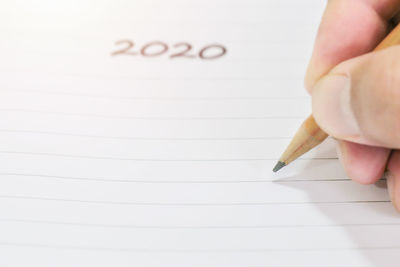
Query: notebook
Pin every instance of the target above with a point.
(143, 133)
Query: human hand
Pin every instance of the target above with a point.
(356, 96)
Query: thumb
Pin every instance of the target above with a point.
(359, 100)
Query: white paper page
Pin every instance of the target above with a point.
(141, 160)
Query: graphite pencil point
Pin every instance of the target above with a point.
(279, 166)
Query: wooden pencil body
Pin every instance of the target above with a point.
(308, 136)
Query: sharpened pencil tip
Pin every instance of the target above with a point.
(279, 166)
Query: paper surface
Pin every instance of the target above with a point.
(150, 160)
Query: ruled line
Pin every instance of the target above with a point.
(196, 251)
(196, 204)
(186, 227)
(202, 181)
(106, 76)
(165, 98)
(193, 78)
(147, 138)
(148, 118)
(148, 160)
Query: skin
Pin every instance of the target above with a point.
(350, 29)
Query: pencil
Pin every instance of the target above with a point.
(310, 134)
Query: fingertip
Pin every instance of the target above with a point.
(331, 106)
(363, 164)
(348, 29)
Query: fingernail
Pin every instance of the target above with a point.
(332, 106)
(390, 181)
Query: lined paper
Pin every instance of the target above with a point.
(151, 161)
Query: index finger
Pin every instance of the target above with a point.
(348, 29)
